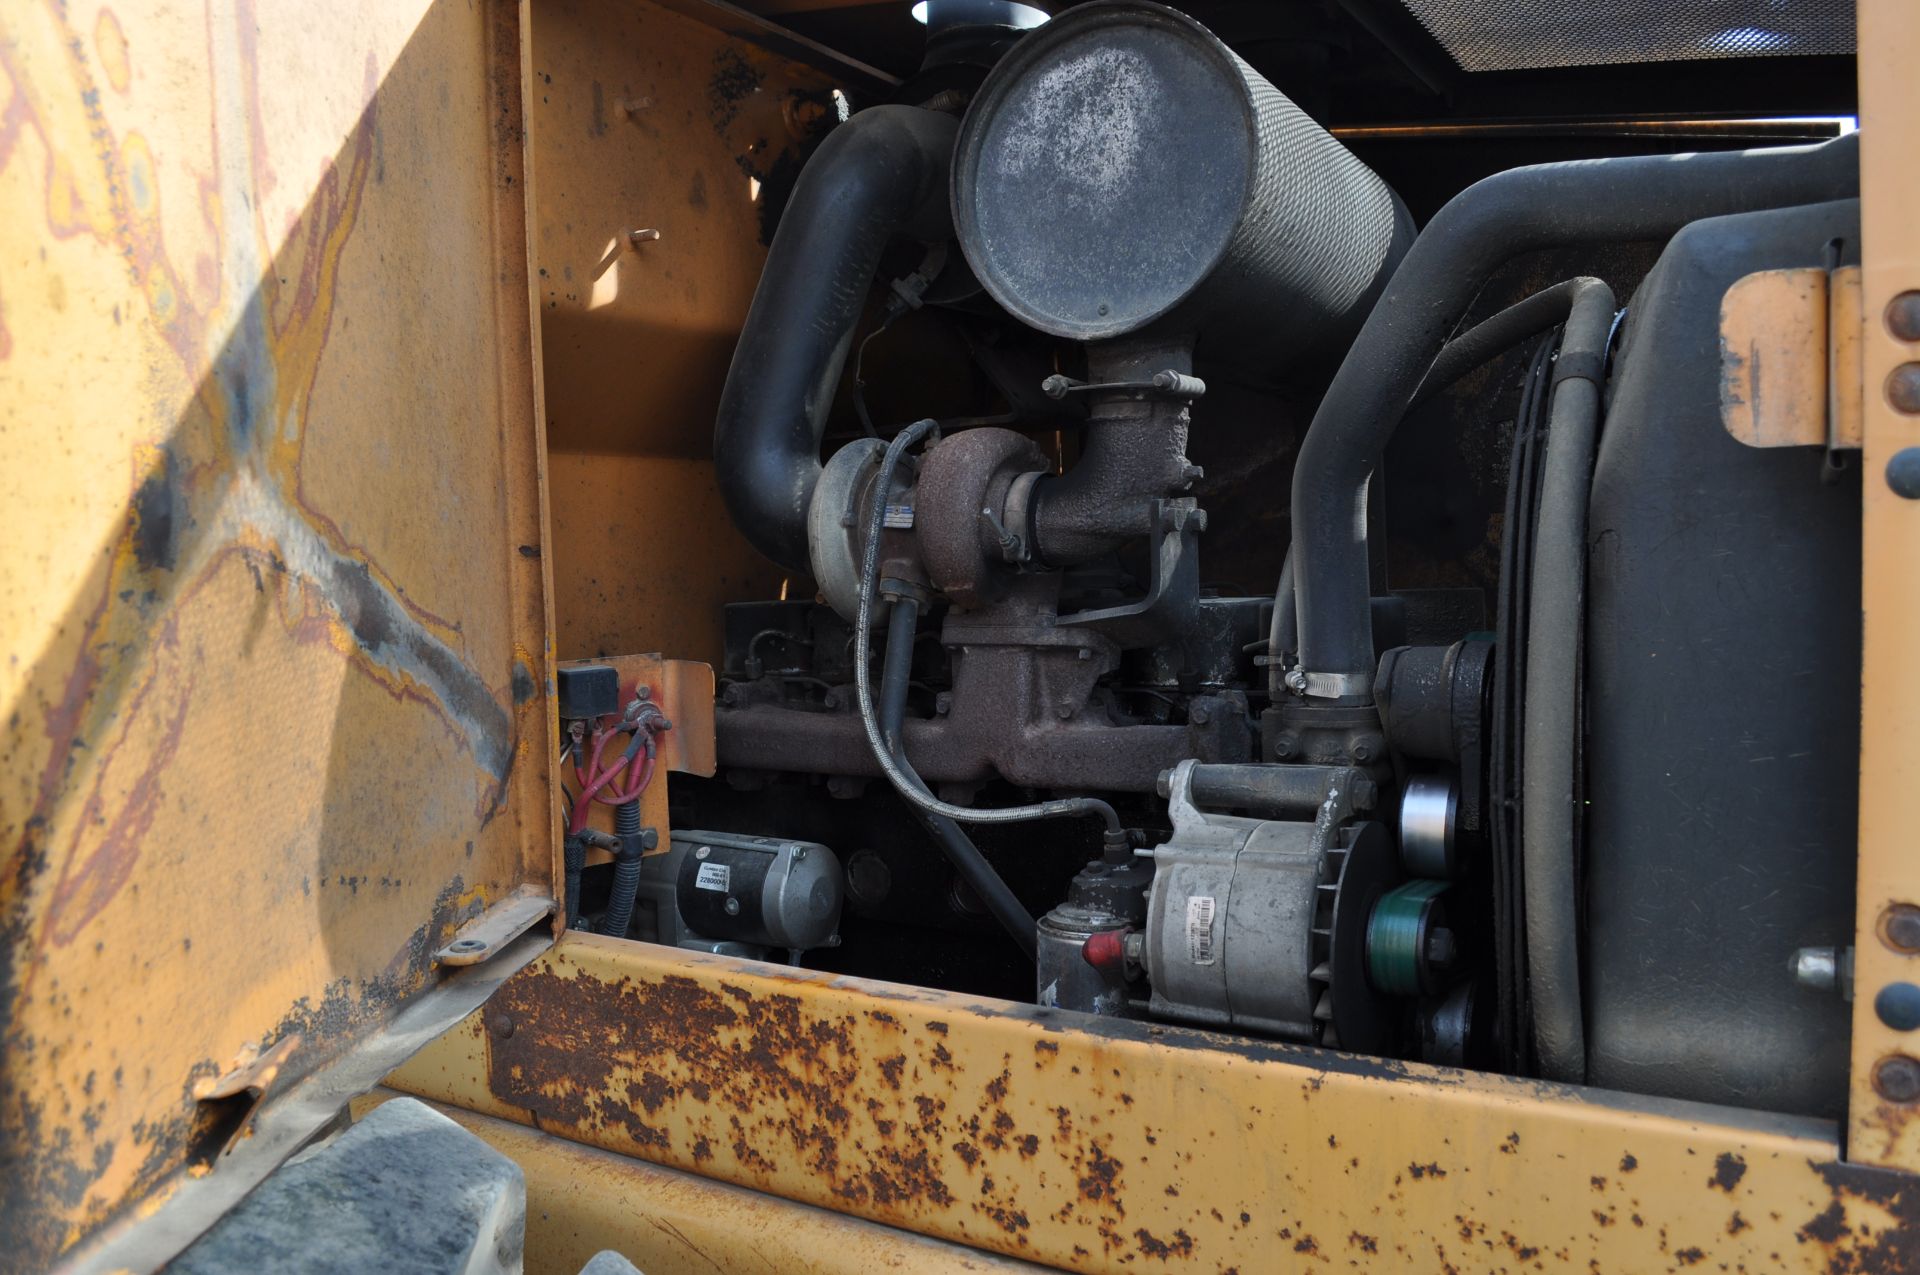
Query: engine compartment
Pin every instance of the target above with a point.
(1201, 599)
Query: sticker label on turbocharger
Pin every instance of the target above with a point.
(714, 876)
(1200, 929)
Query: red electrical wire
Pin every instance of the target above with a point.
(639, 773)
(591, 781)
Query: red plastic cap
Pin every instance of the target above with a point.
(1107, 950)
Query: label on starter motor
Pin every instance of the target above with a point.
(714, 876)
(1200, 929)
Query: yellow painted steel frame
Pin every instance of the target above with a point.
(1881, 1131)
(1099, 1144)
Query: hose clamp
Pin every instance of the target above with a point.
(1333, 685)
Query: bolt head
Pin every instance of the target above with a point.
(1817, 968)
(832, 700)
(500, 1025)
(943, 703)
(1199, 715)
(1903, 473)
(1064, 711)
(1903, 316)
(1897, 1078)
(1286, 747)
(1363, 751)
(733, 906)
(1441, 948)
(1898, 1006)
(1297, 681)
(1900, 926)
(1903, 388)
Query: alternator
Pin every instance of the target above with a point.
(1261, 924)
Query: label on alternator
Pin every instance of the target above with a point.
(1200, 929)
(714, 876)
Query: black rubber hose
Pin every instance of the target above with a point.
(1495, 335)
(1548, 205)
(1477, 346)
(573, 853)
(880, 176)
(896, 669)
(965, 857)
(626, 871)
(1555, 621)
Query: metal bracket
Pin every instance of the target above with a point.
(493, 929)
(1173, 589)
(1168, 384)
(1790, 359)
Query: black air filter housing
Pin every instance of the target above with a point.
(1122, 169)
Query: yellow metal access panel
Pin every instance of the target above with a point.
(359, 371)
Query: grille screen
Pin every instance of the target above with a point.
(1515, 35)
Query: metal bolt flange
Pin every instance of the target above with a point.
(1903, 316)
(1903, 388)
(1897, 1078)
(1900, 926)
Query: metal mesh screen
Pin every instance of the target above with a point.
(1514, 35)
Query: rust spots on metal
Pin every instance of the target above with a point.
(1728, 1169)
(731, 82)
(1179, 1246)
(757, 1088)
(785, 1081)
(1872, 1226)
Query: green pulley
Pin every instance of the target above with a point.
(1397, 938)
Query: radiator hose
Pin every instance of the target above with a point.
(1547, 205)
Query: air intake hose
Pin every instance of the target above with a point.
(880, 176)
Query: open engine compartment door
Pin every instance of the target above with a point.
(275, 601)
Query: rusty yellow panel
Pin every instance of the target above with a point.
(581, 1200)
(1096, 1144)
(643, 119)
(1882, 1116)
(272, 594)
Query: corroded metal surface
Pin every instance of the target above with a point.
(272, 593)
(581, 1200)
(1881, 1129)
(1101, 1144)
(645, 119)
